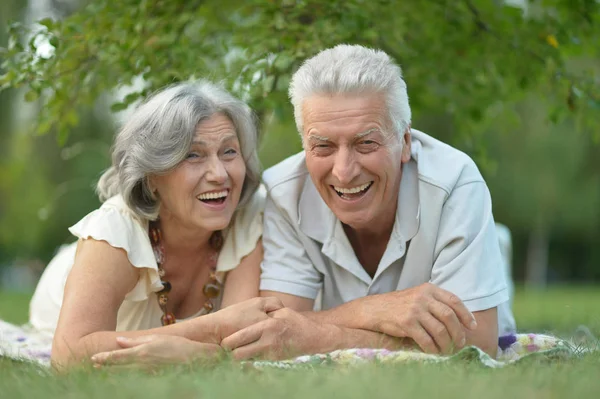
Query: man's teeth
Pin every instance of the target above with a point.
(216, 195)
(353, 190)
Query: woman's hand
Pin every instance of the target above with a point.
(156, 349)
(241, 315)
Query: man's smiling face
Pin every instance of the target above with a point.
(353, 158)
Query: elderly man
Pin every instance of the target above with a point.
(392, 229)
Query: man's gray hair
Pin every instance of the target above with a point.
(348, 69)
(159, 135)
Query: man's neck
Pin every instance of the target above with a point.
(369, 244)
(370, 235)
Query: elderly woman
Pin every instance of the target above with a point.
(181, 214)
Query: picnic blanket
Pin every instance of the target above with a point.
(25, 343)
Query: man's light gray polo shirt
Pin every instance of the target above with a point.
(443, 233)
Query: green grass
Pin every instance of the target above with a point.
(14, 307)
(558, 310)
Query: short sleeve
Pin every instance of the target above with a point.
(286, 267)
(468, 261)
(243, 235)
(116, 226)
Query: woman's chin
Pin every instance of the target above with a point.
(213, 223)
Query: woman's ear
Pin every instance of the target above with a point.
(151, 187)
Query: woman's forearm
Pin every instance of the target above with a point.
(69, 349)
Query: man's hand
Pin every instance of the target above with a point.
(151, 350)
(434, 318)
(286, 333)
(241, 315)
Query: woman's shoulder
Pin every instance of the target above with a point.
(244, 233)
(118, 203)
(116, 224)
(114, 209)
(253, 209)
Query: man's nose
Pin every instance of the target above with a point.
(345, 167)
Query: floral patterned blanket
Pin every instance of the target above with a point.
(25, 343)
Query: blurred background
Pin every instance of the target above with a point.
(515, 84)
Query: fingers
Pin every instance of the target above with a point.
(243, 337)
(252, 351)
(451, 300)
(125, 342)
(438, 331)
(119, 356)
(271, 304)
(448, 321)
(423, 339)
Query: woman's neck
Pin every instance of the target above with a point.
(183, 240)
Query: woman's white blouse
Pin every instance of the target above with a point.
(116, 224)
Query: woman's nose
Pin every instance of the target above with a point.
(216, 171)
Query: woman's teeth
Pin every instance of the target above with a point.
(213, 196)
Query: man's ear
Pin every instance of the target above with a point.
(405, 157)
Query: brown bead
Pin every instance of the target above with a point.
(208, 306)
(154, 235)
(162, 299)
(211, 290)
(216, 240)
(168, 319)
(166, 287)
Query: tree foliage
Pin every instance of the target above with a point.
(517, 87)
(462, 57)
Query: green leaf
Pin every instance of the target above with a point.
(54, 41)
(31, 96)
(116, 107)
(47, 22)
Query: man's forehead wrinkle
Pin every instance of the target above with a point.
(342, 113)
(369, 131)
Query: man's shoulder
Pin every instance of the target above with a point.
(442, 165)
(289, 172)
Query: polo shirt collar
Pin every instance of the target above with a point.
(318, 222)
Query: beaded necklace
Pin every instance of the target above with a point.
(211, 289)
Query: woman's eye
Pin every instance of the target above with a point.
(192, 155)
(230, 151)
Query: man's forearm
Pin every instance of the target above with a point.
(348, 315)
(348, 338)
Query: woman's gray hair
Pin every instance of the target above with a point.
(352, 69)
(159, 135)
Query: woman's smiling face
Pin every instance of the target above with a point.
(203, 191)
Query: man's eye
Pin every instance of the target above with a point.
(368, 143)
(367, 146)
